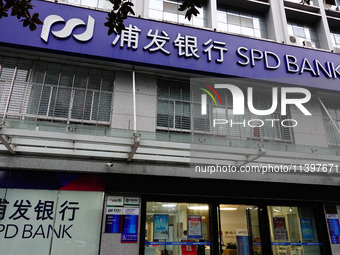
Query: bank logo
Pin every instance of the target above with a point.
(67, 30)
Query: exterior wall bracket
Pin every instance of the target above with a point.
(251, 158)
(5, 141)
(135, 146)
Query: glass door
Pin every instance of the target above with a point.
(239, 230)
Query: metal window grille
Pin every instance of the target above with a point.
(179, 110)
(332, 134)
(55, 92)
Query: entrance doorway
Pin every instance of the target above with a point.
(239, 230)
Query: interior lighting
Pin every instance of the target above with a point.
(169, 205)
(228, 208)
(199, 207)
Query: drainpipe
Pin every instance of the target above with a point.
(134, 100)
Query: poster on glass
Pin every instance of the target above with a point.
(161, 227)
(280, 229)
(194, 226)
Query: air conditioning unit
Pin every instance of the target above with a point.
(336, 50)
(293, 39)
(308, 44)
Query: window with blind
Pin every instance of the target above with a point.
(55, 92)
(332, 134)
(179, 110)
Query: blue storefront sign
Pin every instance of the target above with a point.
(242, 240)
(80, 31)
(334, 228)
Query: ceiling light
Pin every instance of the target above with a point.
(169, 205)
(199, 207)
(228, 209)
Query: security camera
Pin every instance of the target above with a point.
(109, 164)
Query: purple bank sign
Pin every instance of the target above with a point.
(73, 30)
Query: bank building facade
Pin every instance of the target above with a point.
(216, 135)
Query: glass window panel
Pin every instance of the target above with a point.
(247, 31)
(91, 106)
(170, 16)
(222, 26)
(91, 3)
(33, 103)
(313, 35)
(62, 104)
(264, 34)
(108, 80)
(257, 33)
(72, 1)
(52, 74)
(46, 101)
(8, 68)
(78, 104)
(165, 113)
(234, 29)
(299, 31)
(153, 14)
(263, 25)
(81, 77)
(183, 20)
(337, 39)
(177, 222)
(156, 5)
(291, 224)
(168, 10)
(104, 4)
(170, 7)
(105, 107)
(233, 19)
(67, 73)
(307, 33)
(221, 16)
(247, 22)
(256, 23)
(198, 22)
(95, 79)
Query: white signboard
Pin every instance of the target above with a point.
(114, 210)
(50, 222)
(131, 201)
(131, 211)
(115, 201)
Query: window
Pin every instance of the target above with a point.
(293, 230)
(243, 22)
(332, 134)
(167, 10)
(179, 110)
(173, 105)
(304, 32)
(102, 4)
(335, 35)
(311, 2)
(56, 92)
(177, 228)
